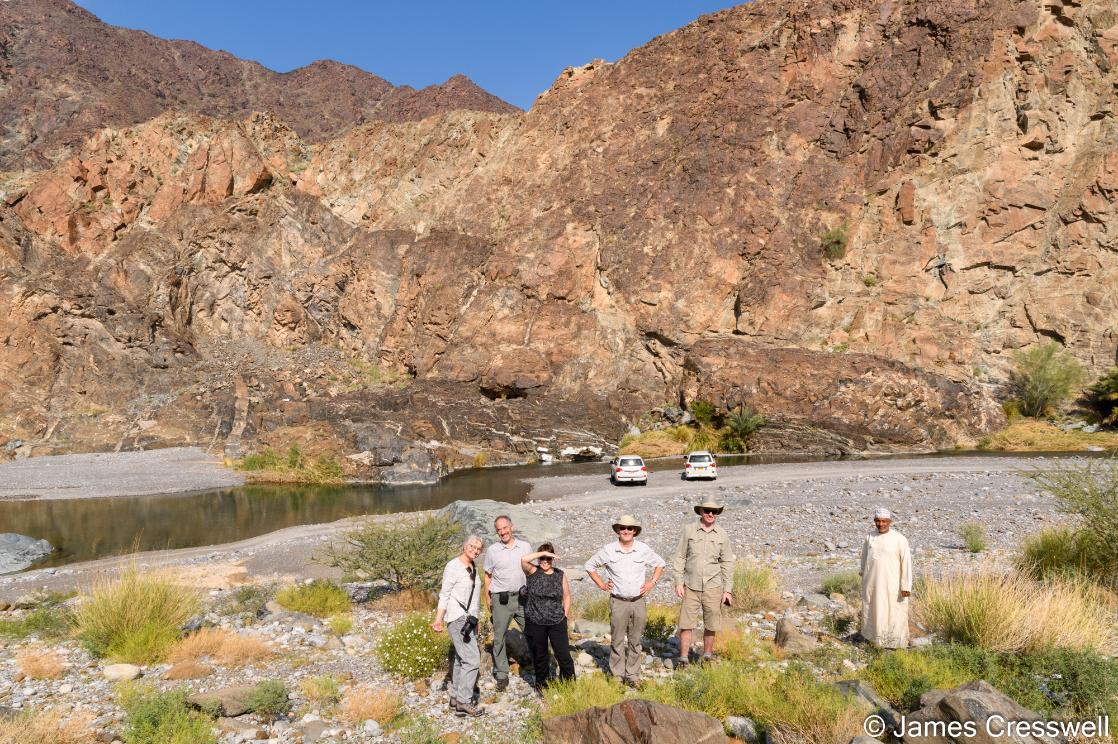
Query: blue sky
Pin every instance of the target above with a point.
(512, 49)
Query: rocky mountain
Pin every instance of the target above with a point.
(475, 285)
(64, 74)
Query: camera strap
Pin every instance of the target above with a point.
(472, 572)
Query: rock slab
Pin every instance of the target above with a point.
(18, 552)
(635, 721)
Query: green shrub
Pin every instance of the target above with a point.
(1091, 493)
(973, 536)
(1057, 683)
(153, 717)
(411, 649)
(566, 696)
(268, 698)
(1043, 378)
(1102, 397)
(740, 428)
(703, 411)
(1057, 552)
(661, 623)
(248, 599)
(319, 598)
(417, 728)
(833, 243)
(49, 623)
(340, 625)
(595, 609)
(901, 677)
(322, 691)
(756, 587)
(846, 583)
(791, 704)
(136, 618)
(292, 466)
(408, 556)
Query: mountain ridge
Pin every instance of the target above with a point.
(482, 284)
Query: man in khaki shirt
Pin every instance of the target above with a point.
(704, 577)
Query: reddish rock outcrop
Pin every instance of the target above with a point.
(649, 231)
(66, 74)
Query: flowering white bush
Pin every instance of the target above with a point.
(411, 649)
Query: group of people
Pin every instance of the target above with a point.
(525, 586)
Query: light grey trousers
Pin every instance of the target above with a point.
(467, 661)
(502, 616)
(626, 626)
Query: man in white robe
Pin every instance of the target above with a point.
(886, 584)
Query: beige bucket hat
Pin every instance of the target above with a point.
(627, 520)
(709, 504)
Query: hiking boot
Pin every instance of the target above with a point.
(454, 708)
(682, 662)
(471, 710)
(502, 684)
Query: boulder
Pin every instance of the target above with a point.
(227, 701)
(864, 692)
(743, 728)
(635, 721)
(973, 703)
(121, 672)
(789, 638)
(18, 552)
(477, 517)
(187, 670)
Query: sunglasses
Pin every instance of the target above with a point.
(542, 559)
(626, 529)
(712, 511)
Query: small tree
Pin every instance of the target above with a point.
(1102, 397)
(740, 427)
(1045, 377)
(703, 411)
(408, 556)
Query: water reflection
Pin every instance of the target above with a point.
(83, 529)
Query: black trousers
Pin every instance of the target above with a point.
(538, 636)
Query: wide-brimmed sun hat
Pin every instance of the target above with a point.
(628, 520)
(708, 504)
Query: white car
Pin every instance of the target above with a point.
(699, 465)
(628, 469)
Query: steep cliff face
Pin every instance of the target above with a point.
(649, 231)
(65, 74)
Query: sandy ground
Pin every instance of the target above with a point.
(804, 519)
(102, 474)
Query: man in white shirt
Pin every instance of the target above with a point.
(621, 568)
(503, 579)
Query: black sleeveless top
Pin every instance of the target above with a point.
(545, 597)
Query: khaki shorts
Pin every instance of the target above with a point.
(709, 602)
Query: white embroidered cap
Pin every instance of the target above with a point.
(882, 513)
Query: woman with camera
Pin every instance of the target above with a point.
(548, 603)
(458, 606)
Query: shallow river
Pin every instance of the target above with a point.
(83, 529)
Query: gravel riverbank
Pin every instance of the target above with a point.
(107, 474)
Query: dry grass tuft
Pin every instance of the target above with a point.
(756, 588)
(664, 443)
(405, 600)
(1009, 612)
(46, 728)
(1026, 435)
(370, 704)
(220, 646)
(38, 664)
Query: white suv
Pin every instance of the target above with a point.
(699, 465)
(628, 469)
